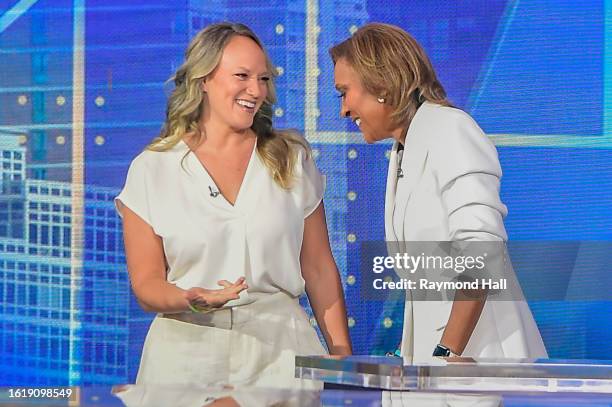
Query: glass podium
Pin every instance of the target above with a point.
(460, 374)
(371, 381)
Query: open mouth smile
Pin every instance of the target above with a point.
(246, 104)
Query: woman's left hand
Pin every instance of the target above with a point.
(203, 299)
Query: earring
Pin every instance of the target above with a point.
(381, 100)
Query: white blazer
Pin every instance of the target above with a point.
(449, 191)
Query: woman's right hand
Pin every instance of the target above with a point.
(205, 299)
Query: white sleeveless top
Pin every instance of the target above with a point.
(206, 239)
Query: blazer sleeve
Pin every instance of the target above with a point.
(468, 173)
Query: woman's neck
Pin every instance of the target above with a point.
(219, 136)
(399, 134)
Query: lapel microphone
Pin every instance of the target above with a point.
(400, 173)
(213, 193)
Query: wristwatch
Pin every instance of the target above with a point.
(441, 350)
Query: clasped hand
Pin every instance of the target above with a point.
(203, 299)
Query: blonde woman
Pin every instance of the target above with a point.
(442, 185)
(224, 228)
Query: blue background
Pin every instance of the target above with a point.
(534, 74)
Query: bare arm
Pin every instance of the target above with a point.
(323, 284)
(147, 269)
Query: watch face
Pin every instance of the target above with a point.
(441, 351)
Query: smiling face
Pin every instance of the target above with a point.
(372, 117)
(238, 86)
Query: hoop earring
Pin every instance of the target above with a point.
(381, 100)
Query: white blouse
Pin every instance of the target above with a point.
(207, 239)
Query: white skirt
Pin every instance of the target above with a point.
(258, 350)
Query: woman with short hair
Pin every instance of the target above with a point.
(442, 185)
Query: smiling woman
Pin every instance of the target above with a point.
(221, 199)
(442, 185)
(382, 86)
(227, 71)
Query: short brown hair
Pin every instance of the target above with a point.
(391, 64)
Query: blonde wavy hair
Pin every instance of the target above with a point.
(276, 148)
(391, 64)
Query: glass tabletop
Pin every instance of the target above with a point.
(460, 374)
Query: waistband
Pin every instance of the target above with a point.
(276, 304)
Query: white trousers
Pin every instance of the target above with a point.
(258, 350)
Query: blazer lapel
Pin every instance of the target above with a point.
(390, 194)
(413, 163)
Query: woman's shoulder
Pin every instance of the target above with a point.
(445, 115)
(445, 124)
(456, 142)
(154, 158)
